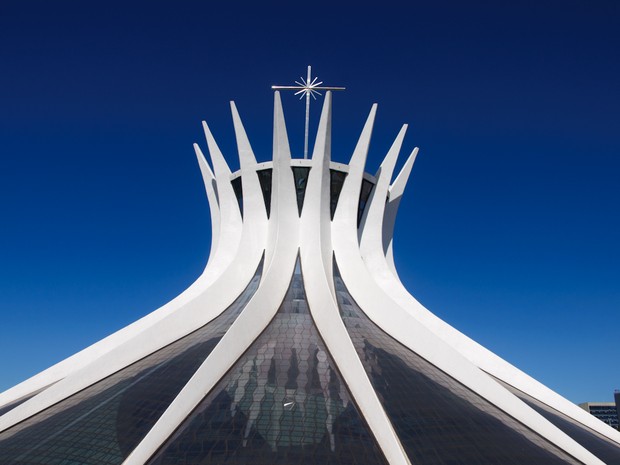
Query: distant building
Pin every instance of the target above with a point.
(604, 411)
(617, 399)
(297, 345)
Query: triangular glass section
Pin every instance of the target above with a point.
(335, 187)
(12, 405)
(365, 191)
(238, 188)
(300, 173)
(604, 448)
(103, 423)
(283, 402)
(264, 177)
(438, 420)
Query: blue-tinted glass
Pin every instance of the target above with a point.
(283, 402)
(603, 448)
(336, 183)
(300, 174)
(438, 420)
(364, 195)
(104, 422)
(264, 177)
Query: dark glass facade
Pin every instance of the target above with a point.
(264, 177)
(300, 174)
(283, 402)
(438, 420)
(335, 186)
(104, 422)
(365, 191)
(617, 401)
(14, 404)
(605, 449)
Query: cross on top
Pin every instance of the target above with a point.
(307, 87)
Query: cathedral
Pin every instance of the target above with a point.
(298, 344)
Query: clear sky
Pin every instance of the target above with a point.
(510, 226)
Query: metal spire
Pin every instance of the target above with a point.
(307, 87)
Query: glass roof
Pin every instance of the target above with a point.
(283, 402)
(438, 420)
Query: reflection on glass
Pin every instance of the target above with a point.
(602, 447)
(282, 403)
(300, 174)
(104, 422)
(238, 188)
(438, 420)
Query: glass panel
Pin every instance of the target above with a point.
(264, 177)
(300, 173)
(364, 195)
(236, 184)
(605, 449)
(438, 420)
(283, 402)
(104, 422)
(336, 183)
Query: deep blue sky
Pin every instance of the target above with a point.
(509, 229)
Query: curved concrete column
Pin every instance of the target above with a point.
(259, 311)
(391, 318)
(221, 284)
(380, 265)
(316, 263)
